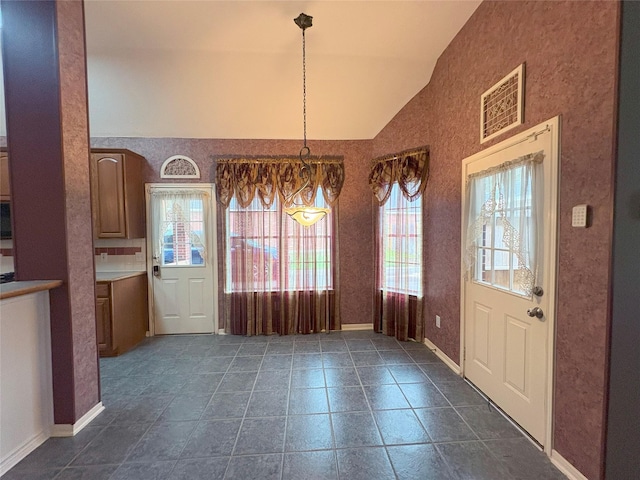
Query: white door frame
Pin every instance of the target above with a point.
(551, 246)
(212, 241)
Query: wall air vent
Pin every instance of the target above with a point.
(501, 105)
(179, 166)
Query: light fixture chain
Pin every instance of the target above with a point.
(304, 89)
(305, 215)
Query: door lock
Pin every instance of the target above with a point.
(537, 291)
(535, 312)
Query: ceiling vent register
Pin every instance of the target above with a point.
(501, 105)
(179, 166)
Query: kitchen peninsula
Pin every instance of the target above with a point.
(26, 394)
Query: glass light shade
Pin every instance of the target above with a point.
(306, 216)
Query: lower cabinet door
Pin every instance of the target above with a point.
(103, 327)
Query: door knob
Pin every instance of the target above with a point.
(535, 312)
(538, 291)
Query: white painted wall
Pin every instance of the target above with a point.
(26, 393)
(225, 69)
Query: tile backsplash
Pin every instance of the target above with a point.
(121, 255)
(6, 256)
(116, 255)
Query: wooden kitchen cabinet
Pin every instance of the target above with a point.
(5, 193)
(122, 314)
(117, 193)
(103, 319)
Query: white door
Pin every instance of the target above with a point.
(181, 245)
(509, 255)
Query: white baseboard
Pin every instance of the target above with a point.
(222, 331)
(442, 356)
(21, 452)
(356, 326)
(67, 430)
(565, 467)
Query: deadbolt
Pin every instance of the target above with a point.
(535, 312)
(538, 292)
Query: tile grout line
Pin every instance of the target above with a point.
(386, 447)
(203, 410)
(286, 418)
(454, 407)
(330, 414)
(434, 444)
(383, 445)
(245, 409)
(450, 404)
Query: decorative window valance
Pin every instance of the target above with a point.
(268, 176)
(410, 169)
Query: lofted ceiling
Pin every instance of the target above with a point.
(233, 69)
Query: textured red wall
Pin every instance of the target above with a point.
(75, 132)
(355, 221)
(46, 98)
(570, 50)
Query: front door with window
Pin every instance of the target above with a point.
(181, 244)
(509, 238)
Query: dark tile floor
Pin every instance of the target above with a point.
(348, 405)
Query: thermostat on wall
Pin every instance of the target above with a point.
(579, 216)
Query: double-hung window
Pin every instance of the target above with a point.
(400, 252)
(267, 251)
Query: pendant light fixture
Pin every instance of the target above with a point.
(303, 214)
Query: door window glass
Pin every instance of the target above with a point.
(502, 232)
(182, 230)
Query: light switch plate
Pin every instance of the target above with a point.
(579, 216)
(438, 321)
(139, 257)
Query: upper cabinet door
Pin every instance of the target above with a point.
(108, 185)
(117, 195)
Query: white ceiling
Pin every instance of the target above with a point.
(233, 69)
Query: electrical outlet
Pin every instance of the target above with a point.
(103, 257)
(139, 257)
(438, 321)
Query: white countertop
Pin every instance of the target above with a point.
(15, 289)
(113, 276)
